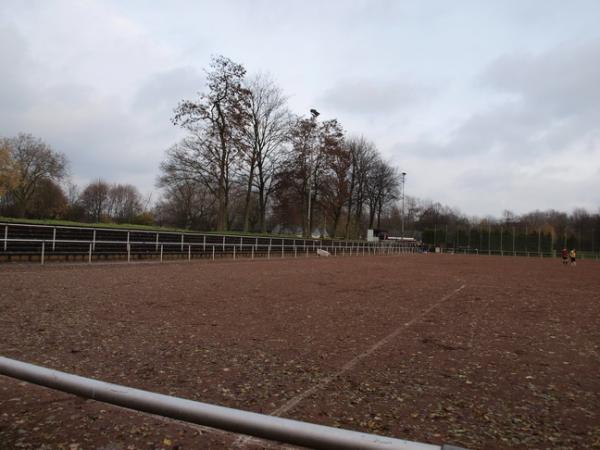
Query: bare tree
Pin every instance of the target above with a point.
(186, 205)
(48, 201)
(363, 156)
(216, 123)
(266, 134)
(34, 162)
(95, 200)
(304, 168)
(125, 203)
(334, 183)
(383, 187)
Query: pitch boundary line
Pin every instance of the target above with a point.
(293, 402)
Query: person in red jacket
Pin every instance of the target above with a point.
(565, 256)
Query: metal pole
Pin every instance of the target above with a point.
(161, 252)
(253, 252)
(260, 425)
(5, 236)
(514, 252)
(213, 255)
(43, 251)
(90, 254)
(234, 252)
(156, 246)
(182, 242)
(189, 252)
(403, 182)
(128, 252)
(54, 239)
(94, 240)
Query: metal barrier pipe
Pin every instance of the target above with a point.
(229, 419)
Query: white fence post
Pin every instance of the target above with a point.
(43, 251)
(213, 253)
(189, 252)
(5, 236)
(161, 252)
(90, 254)
(128, 250)
(233, 251)
(94, 240)
(54, 239)
(253, 252)
(182, 242)
(156, 247)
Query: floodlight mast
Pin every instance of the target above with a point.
(403, 181)
(314, 114)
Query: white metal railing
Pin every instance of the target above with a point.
(91, 250)
(94, 230)
(259, 425)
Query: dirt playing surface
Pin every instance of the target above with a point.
(482, 352)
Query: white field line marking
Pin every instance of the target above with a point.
(290, 404)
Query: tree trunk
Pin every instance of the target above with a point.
(248, 196)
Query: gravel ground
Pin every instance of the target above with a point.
(482, 352)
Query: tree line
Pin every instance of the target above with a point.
(537, 231)
(34, 183)
(248, 163)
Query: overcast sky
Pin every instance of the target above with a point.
(486, 105)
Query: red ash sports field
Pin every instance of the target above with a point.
(482, 352)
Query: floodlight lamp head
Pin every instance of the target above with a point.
(314, 113)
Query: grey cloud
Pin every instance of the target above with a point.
(363, 96)
(103, 134)
(15, 92)
(552, 103)
(163, 90)
(562, 81)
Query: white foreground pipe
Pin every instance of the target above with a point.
(229, 419)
